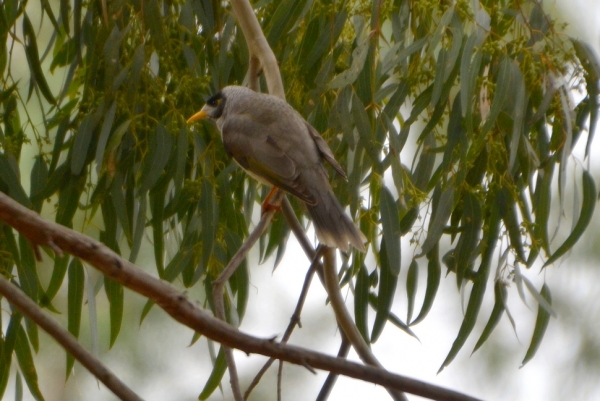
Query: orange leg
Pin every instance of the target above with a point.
(267, 205)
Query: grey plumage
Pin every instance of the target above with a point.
(272, 141)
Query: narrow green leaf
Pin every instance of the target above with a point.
(10, 177)
(520, 100)
(434, 274)
(587, 211)
(490, 238)
(393, 319)
(359, 55)
(107, 124)
(541, 324)
(467, 89)
(361, 300)
(385, 297)
(157, 158)
(439, 218)
(39, 179)
(390, 223)
(215, 376)
(139, 227)
(25, 359)
(503, 85)
(511, 221)
(412, 280)
(209, 209)
(33, 58)
(28, 278)
(157, 208)
(466, 248)
(8, 345)
(500, 294)
(591, 64)
(81, 144)
(363, 126)
(114, 293)
(75, 304)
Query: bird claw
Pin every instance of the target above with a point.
(267, 205)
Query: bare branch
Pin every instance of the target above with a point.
(42, 232)
(332, 377)
(219, 286)
(258, 45)
(30, 309)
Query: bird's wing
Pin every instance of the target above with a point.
(325, 150)
(258, 152)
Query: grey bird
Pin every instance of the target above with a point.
(274, 144)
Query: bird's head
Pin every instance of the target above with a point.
(212, 109)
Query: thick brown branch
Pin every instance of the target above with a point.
(42, 232)
(30, 309)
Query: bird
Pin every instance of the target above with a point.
(276, 145)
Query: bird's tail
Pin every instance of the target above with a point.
(333, 226)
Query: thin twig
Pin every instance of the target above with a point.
(294, 321)
(332, 377)
(332, 287)
(219, 286)
(42, 232)
(345, 320)
(30, 309)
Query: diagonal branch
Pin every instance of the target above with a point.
(15, 296)
(42, 232)
(219, 286)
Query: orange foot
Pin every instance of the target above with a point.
(267, 205)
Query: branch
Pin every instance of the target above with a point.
(332, 287)
(42, 232)
(219, 285)
(345, 320)
(15, 296)
(258, 45)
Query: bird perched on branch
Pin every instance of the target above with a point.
(275, 145)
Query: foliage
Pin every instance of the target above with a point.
(483, 94)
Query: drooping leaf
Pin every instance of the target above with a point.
(75, 304)
(541, 324)
(587, 210)
(215, 376)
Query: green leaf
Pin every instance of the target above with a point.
(81, 145)
(10, 177)
(28, 278)
(434, 274)
(359, 56)
(215, 376)
(541, 324)
(114, 293)
(412, 280)
(500, 294)
(466, 248)
(156, 160)
(361, 300)
(391, 230)
(587, 211)
(7, 348)
(33, 58)
(387, 289)
(75, 304)
(439, 218)
(25, 359)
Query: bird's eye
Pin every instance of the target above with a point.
(214, 102)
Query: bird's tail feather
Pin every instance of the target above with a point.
(333, 226)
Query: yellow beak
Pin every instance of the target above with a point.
(198, 116)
